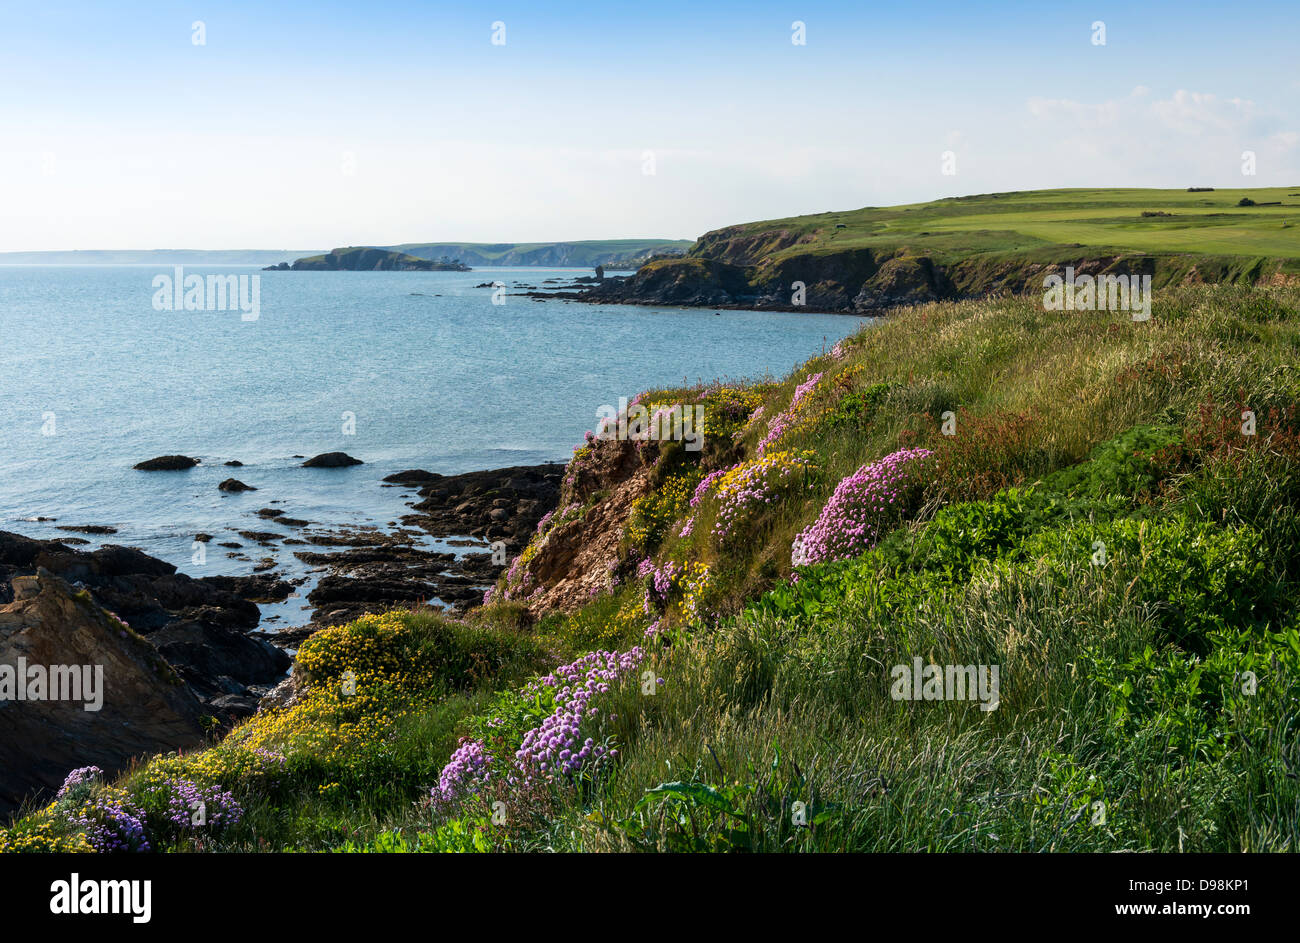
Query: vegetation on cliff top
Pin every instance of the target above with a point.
(973, 246)
(1108, 511)
(1206, 223)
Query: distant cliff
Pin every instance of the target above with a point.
(369, 259)
(611, 253)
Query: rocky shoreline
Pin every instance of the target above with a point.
(178, 649)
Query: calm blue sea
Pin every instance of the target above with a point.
(435, 375)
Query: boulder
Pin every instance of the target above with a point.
(331, 460)
(234, 485)
(167, 463)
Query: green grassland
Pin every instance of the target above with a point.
(1209, 223)
(1150, 696)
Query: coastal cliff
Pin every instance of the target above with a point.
(369, 259)
(870, 260)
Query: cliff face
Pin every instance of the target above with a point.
(578, 547)
(619, 253)
(144, 707)
(869, 281)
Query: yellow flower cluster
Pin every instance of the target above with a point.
(226, 764)
(42, 835)
(361, 684)
(739, 478)
(696, 578)
(728, 409)
(652, 514)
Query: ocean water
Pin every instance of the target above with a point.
(431, 373)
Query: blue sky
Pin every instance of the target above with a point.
(311, 125)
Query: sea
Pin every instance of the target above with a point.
(402, 370)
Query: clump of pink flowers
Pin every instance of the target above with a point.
(468, 767)
(191, 806)
(755, 485)
(556, 746)
(863, 506)
(662, 578)
(780, 422)
(703, 487)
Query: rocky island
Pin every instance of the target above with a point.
(368, 259)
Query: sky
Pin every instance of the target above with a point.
(223, 125)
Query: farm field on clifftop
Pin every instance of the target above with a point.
(1201, 222)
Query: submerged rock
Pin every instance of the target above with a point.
(233, 485)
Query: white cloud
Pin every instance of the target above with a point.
(1141, 140)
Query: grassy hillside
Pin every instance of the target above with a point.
(1109, 220)
(1106, 511)
(882, 257)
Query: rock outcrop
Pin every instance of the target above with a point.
(502, 504)
(143, 706)
(150, 596)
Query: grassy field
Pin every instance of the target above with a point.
(1201, 222)
(1107, 511)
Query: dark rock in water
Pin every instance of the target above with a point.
(414, 476)
(202, 538)
(148, 593)
(207, 656)
(168, 463)
(143, 706)
(234, 463)
(463, 505)
(234, 484)
(331, 460)
(259, 536)
(269, 512)
(88, 528)
(253, 588)
(292, 522)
